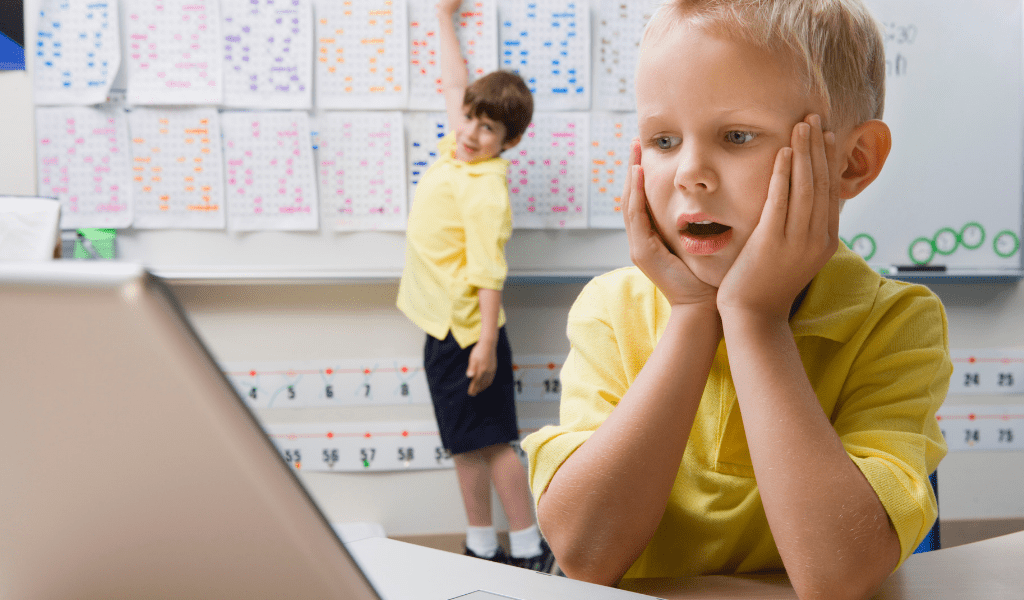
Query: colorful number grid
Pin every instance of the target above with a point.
(268, 53)
(361, 164)
(370, 382)
(548, 43)
(83, 157)
(271, 183)
(610, 138)
(547, 173)
(537, 377)
(362, 57)
(78, 51)
(176, 172)
(987, 371)
(477, 29)
(618, 30)
(422, 132)
(991, 427)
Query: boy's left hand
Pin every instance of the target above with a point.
(483, 364)
(798, 231)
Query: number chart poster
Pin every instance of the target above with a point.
(547, 173)
(78, 51)
(423, 130)
(618, 31)
(361, 163)
(174, 52)
(177, 177)
(548, 43)
(268, 53)
(362, 56)
(476, 26)
(611, 135)
(82, 157)
(271, 184)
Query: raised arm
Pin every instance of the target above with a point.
(454, 76)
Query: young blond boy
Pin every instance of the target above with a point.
(451, 288)
(751, 396)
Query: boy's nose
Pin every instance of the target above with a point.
(694, 172)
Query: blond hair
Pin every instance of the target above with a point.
(837, 43)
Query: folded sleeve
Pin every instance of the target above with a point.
(487, 218)
(886, 415)
(595, 375)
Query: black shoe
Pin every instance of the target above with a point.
(542, 562)
(499, 556)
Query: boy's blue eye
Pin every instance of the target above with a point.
(664, 142)
(739, 137)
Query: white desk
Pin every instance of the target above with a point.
(991, 569)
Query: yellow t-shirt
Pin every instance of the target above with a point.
(458, 225)
(876, 352)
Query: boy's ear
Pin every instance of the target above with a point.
(511, 143)
(868, 147)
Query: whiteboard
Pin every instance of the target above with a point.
(950, 193)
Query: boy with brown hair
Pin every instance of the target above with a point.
(451, 288)
(751, 396)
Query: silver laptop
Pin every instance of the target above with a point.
(130, 468)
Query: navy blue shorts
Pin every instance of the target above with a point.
(467, 422)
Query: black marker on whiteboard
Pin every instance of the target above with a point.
(900, 269)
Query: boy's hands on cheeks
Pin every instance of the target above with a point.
(798, 231)
(647, 248)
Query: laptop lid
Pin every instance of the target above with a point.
(129, 467)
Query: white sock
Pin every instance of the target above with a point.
(525, 542)
(483, 541)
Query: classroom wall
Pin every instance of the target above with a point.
(344, 320)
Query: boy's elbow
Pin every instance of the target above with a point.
(858, 583)
(576, 557)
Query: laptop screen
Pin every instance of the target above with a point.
(130, 467)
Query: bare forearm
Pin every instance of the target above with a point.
(604, 504)
(832, 532)
(490, 306)
(454, 77)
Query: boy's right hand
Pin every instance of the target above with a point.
(647, 249)
(448, 7)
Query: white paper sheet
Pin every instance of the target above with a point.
(177, 178)
(174, 52)
(618, 28)
(82, 156)
(362, 56)
(610, 137)
(268, 163)
(268, 53)
(361, 170)
(422, 132)
(548, 173)
(548, 43)
(77, 53)
(476, 25)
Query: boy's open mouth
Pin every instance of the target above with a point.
(705, 228)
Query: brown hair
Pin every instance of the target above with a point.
(837, 44)
(504, 97)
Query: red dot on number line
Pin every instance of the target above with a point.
(405, 434)
(551, 366)
(367, 434)
(330, 434)
(971, 416)
(329, 371)
(252, 373)
(972, 360)
(366, 371)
